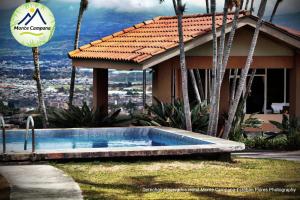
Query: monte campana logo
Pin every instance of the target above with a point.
(32, 24)
(26, 21)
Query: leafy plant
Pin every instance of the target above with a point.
(82, 117)
(241, 123)
(290, 127)
(260, 142)
(172, 115)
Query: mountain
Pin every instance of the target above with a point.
(96, 23)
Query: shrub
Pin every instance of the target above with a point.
(172, 115)
(279, 143)
(82, 117)
(290, 127)
(240, 123)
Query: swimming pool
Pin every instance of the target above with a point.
(112, 142)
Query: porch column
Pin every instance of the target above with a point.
(161, 82)
(295, 87)
(100, 90)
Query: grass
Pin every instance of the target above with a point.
(134, 179)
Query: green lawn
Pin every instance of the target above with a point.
(133, 179)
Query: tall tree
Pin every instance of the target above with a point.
(82, 8)
(179, 8)
(207, 6)
(241, 4)
(252, 6)
(37, 77)
(222, 58)
(214, 117)
(274, 10)
(211, 123)
(244, 72)
(199, 83)
(194, 84)
(246, 5)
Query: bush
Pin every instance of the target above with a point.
(82, 117)
(290, 128)
(172, 115)
(279, 143)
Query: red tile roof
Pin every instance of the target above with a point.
(142, 41)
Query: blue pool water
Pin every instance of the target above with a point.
(97, 138)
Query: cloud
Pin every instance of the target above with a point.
(140, 5)
(287, 6)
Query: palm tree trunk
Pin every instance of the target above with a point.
(219, 69)
(240, 114)
(243, 77)
(207, 6)
(230, 41)
(246, 5)
(194, 83)
(233, 88)
(144, 88)
(76, 41)
(248, 89)
(241, 4)
(275, 9)
(37, 78)
(252, 8)
(199, 83)
(214, 70)
(187, 112)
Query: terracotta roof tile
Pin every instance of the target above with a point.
(144, 40)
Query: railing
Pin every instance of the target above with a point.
(2, 125)
(30, 121)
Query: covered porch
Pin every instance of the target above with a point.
(144, 46)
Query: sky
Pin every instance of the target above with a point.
(286, 7)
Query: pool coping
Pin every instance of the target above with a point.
(219, 146)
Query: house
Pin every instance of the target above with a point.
(154, 44)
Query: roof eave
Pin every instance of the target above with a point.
(105, 64)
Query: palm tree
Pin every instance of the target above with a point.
(244, 72)
(275, 9)
(252, 8)
(212, 121)
(82, 8)
(221, 56)
(199, 83)
(179, 9)
(37, 77)
(246, 5)
(219, 70)
(207, 6)
(179, 12)
(194, 84)
(241, 4)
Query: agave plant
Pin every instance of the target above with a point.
(290, 127)
(240, 124)
(82, 117)
(172, 115)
